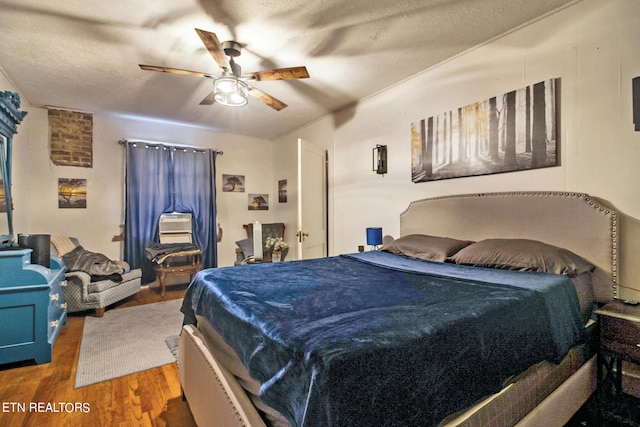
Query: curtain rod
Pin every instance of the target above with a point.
(124, 141)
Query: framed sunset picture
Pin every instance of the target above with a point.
(72, 193)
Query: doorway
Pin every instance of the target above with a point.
(312, 230)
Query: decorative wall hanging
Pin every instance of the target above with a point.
(282, 191)
(512, 132)
(71, 138)
(258, 202)
(72, 193)
(233, 183)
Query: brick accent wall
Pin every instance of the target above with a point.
(71, 138)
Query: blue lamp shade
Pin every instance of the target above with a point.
(374, 236)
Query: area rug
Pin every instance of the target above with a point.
(127, 340)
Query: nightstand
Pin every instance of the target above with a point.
(619, 340)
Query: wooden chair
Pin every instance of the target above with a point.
(178, 264)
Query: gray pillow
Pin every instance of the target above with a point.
(522, 254)
(246, 246)
(422, 246)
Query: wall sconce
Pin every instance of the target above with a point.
(380, 159)
(374, 237)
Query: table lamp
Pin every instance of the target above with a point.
(374, 237)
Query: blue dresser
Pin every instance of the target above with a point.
(32, 306)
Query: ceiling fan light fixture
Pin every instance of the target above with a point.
(231, 91)
(232, 88)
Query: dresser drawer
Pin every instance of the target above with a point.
(57, 313)
(622, 337)
(57, 302)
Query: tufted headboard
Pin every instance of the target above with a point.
(574, 221)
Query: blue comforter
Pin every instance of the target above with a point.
(379, 339)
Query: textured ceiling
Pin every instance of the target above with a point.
(84, 54)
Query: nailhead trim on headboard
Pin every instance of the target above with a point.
(614, 241)
(612, 214)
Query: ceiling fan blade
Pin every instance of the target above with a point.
(214, 47)
(291, 73)
(261, 96)
(174, 71)
(208, 100)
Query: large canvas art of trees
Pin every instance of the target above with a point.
(512, 132)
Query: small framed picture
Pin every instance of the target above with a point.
(72, 193)
(233, 183)
(258, 202)
(282, 191)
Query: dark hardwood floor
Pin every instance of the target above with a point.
(46, 393)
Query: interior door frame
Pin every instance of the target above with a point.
(325, 200)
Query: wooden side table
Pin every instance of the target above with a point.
(619, 340)
(178, 264)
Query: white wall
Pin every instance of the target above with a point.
(36, 179)
(591, 47)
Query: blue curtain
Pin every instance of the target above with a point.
(149, 191)
(194, 191)
(163, 179)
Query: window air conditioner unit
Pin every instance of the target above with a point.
(175, 227)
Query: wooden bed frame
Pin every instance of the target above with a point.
(574, 221)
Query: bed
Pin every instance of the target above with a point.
(430, 331)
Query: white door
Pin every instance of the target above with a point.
(312, 201)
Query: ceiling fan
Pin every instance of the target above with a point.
(232, 87)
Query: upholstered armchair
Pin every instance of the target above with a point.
(244, 251)
(81, 293)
